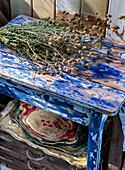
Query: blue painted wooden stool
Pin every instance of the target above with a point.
(87, 99)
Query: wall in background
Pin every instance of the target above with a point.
(72, 6)
(93, 6)
(44, 8)
(117, 8)
(19, 7)
(41, 8)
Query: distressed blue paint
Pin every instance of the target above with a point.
(72, 96)
(96, 126)
(104, 117)
(66, 88)
(112, 74)
(104, 71)
(72, 87)
(45, 101)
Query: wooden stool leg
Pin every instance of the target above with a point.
(96, 127)
(116, 146)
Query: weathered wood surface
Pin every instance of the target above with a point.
(116, 146)
(123, 167)
(74, 89)
(13, 153)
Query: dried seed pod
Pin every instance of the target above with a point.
(50, 43)
(106, 50)
(103, 55)
(36, 57)
(59, 38)
(75, 69)
(88, 47)
(88, 56)
(72, 35)
(56, 64)
(61, 74)
(98, 19)
(92, 53)
(82, 58)
(84, 48)
(38, 72)
(79, 45)
(89, 64)
(51, 73)
(108, 15)
(68, 50)
(60, 69)
(76, 15)
(95, 27)
(42, 68)
(74, 55)
(99, 23)
(57, 72)
(62, 19)
(103, 30)
(122, 33)
(79, 63)
(72, 64)
(64, 61)
(68, 70)
(50, 39)
(64, 68)
(100, 46)
(78, 60)
(115, 27)
(91, 38)
(64, 12)
(86, 19)
(121, 17)
(67, 13)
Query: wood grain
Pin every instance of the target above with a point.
(116, 146)
(13, 153)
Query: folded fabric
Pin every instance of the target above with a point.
(75, 149)
(45, 125)
(49, 130)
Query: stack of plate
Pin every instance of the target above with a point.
(50, 130)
